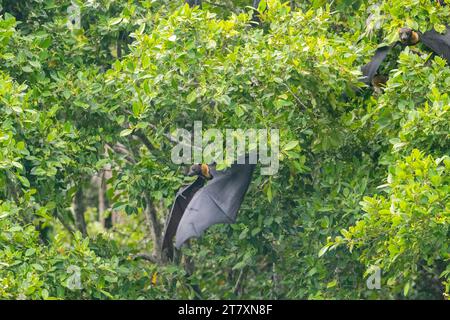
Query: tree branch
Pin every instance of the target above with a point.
(78, 210)
(154, 224)
(147, 257)
(238, 286)
(141, 136)
(193, 3)
(64, 223)
(120, 148)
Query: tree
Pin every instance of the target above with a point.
(86, 114)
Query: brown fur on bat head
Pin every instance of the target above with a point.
(379, 80)
(201, 170)
(379, 83)
(408, 37)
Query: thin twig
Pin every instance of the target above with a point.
(154, 224)
(145, 256)
(295, 96)
(238, 285)
(139, 134)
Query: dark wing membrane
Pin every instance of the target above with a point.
(439, 43)
(370, 69)
(218, 202)
(182, 199)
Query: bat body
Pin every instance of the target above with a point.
(370, 70)
(182, 199)
(217, 202)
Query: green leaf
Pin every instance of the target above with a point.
(115, 21)
(126, 132)
(27, 69)
(30, 252)
(191, 97)
(331, 284)
(406, 288)
(44, 294)
(24, 181)
(290, 145)
(323, 250)
(17, 164)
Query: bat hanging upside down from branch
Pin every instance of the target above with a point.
(439, 43)
(198, 207)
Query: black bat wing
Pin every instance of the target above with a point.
(218, 202)
(370, 69)
(182, 199)
(439, 43)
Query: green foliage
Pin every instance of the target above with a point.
(85, 112)
(405, 233)
(75, 270)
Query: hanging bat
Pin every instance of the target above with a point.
(197, 207)
(408, 37)
(370, 70)
(182, 199)
(217, 202)
(437, 42)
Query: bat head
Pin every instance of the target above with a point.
(408, 36)
(379, 80)
(378, 83)
(201, 170)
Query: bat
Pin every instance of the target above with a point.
(437, 42)
(408, 37)
(370, 70)
(182, 199)
(197, 207)
(217, 202)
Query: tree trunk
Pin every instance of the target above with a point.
(292, 3)
(103, 204)
(189, 267)
(155, 226)
(78, 210)
(255, 16)
(193, 3)
(256, 3)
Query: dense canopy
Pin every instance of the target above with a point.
(91, 90)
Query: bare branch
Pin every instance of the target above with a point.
(141, 136)
(145, 256)
(154, 224)
(300, 102)
(120, 148)
(64, 223)
(78, 210)
(238, 286)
